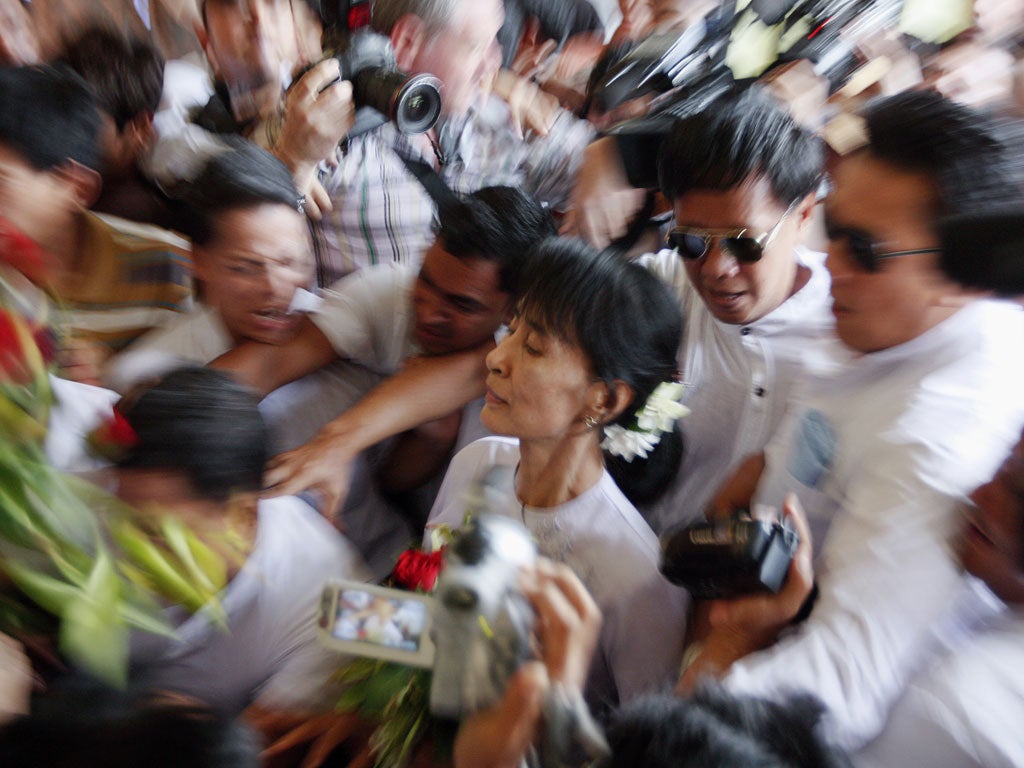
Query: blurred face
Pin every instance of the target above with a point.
(158, 491)
(458, 302)
(251, 269)
(992, 544)
(736, 292)
(35, 202)
(463, 55)
(538, 386)
(18, 43)
(893, 209)
(248, 40)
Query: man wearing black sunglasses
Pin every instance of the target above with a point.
(742, 178)
(881, 454)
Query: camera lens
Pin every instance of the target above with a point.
(417, 104)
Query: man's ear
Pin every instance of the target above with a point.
(804, 211)
(407, 39)
(200, 264)
(139, 134)
(606, 401)
(84, 182)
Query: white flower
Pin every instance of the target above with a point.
(627, 443)
(662, 408)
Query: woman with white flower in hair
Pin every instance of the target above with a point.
(582, 386)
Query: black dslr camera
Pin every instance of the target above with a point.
(382, 92)
(729, 558)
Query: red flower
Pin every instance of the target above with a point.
(417, 570)
(22, 253)
(120, 431)
(13, 365)
(114, 438)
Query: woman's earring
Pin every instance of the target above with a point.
(590, 421)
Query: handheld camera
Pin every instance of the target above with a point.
(729, 558)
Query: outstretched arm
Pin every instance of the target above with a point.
(426, 388)
(265, 367)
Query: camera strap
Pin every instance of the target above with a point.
(431, 180)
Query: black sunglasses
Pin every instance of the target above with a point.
(693, 243)
(863, 249)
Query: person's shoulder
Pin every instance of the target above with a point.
(627, 511)
(379, 278)
(136, 236)
(290, 531)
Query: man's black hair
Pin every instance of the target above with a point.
(973, 163)
(714, 728)
(244, 176)
(960, 149)
(500, 224)
(629, 326)
(740, 137)
(126, 74)
(48, 116)
(80, 723)
(985, 250)
(203, 423)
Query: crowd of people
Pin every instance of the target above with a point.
(776, 276)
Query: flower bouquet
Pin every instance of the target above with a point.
(67, 548)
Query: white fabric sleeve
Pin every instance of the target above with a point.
(887, 582)
(367, 316)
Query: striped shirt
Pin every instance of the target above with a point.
(133, 277)
(382, 213)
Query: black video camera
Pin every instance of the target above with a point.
(382, 92)
(729, 558)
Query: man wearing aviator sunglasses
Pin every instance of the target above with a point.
(742, 178)
(881, 454)
(694, 243)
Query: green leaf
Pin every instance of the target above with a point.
(146, 620)
(177, 536)
(92, 632)
(93, 636)
(51, 594)
(144, 554)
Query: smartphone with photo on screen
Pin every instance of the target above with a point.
(378, 622)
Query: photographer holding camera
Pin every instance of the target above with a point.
(381, 212)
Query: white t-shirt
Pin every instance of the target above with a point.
(77, 410)
(606, 542)
(738, 380)
(964, 711)
(271, 648)
(879, 457)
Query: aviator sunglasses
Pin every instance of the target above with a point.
(694, 243)
(862, 248)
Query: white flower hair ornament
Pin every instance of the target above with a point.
(657, 416)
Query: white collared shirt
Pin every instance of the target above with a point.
(880, 456)
(738, 379)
